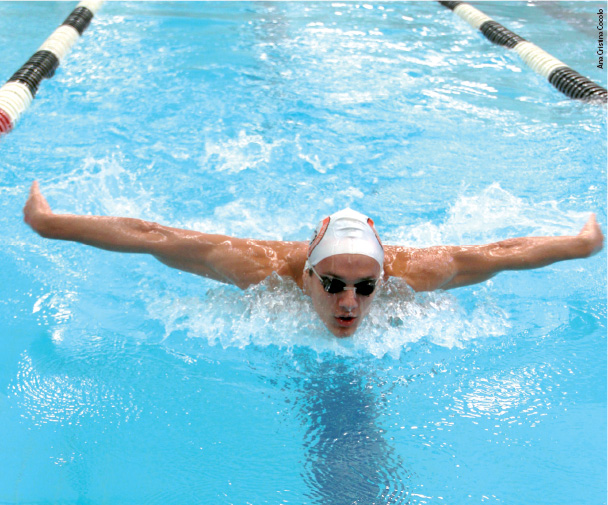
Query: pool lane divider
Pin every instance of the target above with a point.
(560, 75)
(19, 91)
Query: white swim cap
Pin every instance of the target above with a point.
(345, 232)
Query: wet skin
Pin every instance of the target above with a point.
(342, 312)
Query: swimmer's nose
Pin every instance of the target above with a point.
(348, 300)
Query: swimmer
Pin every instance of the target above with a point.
(341, 268)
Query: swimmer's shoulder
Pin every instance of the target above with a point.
(290, 256)
(294, 255)
(423, 269)
(397, 259)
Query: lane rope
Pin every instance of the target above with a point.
(560, 75)
(19, 91)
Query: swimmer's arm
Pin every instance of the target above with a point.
(232, 260)
(227, 259)
(451, 267)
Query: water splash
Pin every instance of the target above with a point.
(277, 313)
(247, 151)
(504, 215)
(104, 186)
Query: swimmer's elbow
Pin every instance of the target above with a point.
(152, 237)
(153, 231)
(431, 277)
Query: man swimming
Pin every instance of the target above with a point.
(340, 269)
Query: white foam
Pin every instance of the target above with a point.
(277, 313)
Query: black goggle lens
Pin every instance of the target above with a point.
(333, 286)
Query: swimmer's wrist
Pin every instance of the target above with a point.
(43, 224)
(590, 238)
(588, 245)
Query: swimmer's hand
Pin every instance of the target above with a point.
(36, 210)
(592, 237)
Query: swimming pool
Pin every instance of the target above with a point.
(123, 381)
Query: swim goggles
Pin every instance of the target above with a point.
(333, 286)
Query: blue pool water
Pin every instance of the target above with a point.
(123, 381)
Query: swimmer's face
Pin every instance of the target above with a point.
(342, 312)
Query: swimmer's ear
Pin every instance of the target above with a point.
(306, 275)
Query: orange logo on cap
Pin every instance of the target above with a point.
(319, 235)
(371, 223)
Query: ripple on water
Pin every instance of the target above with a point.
(64, 390)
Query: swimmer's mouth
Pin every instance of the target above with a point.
(345, 321)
